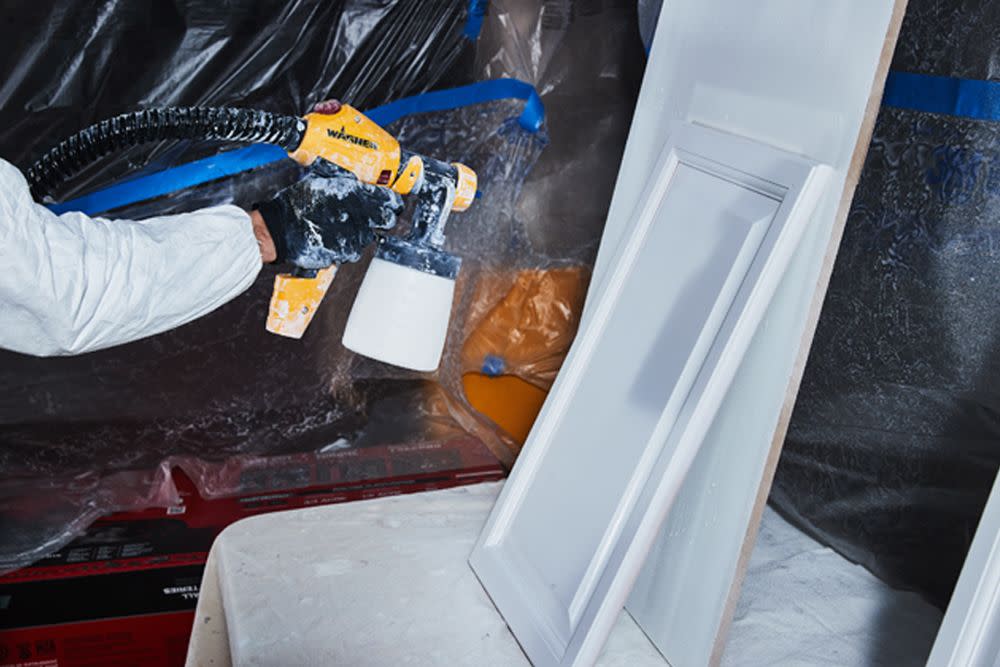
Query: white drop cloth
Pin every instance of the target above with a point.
(386, 582)
(805, 605)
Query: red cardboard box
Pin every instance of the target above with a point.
(124, 594)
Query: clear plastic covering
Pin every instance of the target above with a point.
(83, 436)
(528, 331)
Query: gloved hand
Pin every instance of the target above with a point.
(328, 217)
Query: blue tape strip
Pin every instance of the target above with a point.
(968, 98)
(474, 18)
(233, 162)
(173, 179)
(484, 91)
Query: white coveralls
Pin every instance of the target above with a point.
(71, 284)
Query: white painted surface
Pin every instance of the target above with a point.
(681, 592)
(639, 388)
(376, 583)
(970, 633)
(794, 73)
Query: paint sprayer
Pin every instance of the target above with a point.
(400, 315)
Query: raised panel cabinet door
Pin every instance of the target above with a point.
(720, 220)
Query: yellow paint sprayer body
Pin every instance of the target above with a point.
(351, 140)
(344, 136)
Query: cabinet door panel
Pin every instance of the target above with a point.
(720, 220)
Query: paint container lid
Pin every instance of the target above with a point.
(400, 316)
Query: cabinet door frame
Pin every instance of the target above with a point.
(550, 631)
(969, 635)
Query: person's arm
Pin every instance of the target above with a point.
(71, 284)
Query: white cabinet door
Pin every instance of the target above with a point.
(970, 632)
(721, 218)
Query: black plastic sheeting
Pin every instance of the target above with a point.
(895, 438)
(86, 435)
(81, 436)
(67, 64)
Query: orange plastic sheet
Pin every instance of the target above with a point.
(511, 358)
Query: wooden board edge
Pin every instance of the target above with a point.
(819, 295)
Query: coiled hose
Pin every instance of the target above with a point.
(149, 125)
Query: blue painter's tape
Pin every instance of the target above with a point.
(967, 98)
(531, 117)
(474, 18)
(142, 188)
(176, 178)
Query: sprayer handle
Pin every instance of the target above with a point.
(296, 298)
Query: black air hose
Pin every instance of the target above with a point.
(130, 129)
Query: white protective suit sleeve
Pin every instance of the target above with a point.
(71, 284)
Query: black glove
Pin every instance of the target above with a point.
(328, 217)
